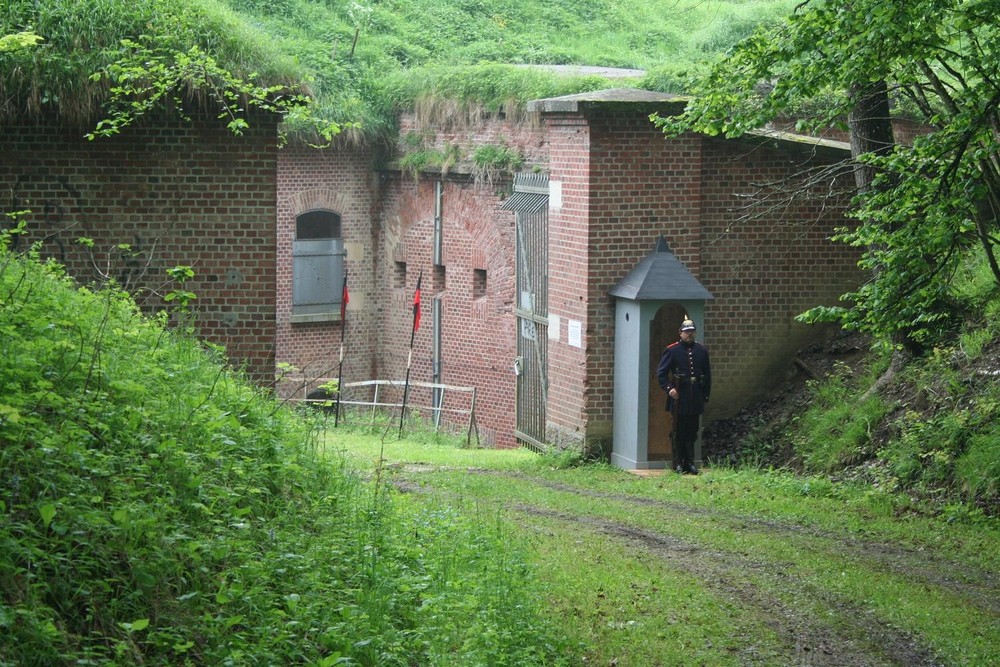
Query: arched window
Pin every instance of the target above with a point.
(317, 267)
(317, 225)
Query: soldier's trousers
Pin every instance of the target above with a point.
(687, 435)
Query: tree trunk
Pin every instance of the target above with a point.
(870, 127)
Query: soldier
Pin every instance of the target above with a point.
(684, 373)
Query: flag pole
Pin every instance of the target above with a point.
(409, 357)
(344, 300)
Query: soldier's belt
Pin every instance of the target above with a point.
(687, 379)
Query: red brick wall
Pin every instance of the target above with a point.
(339, 180)
(387, 224)
(641, 186)
(527, 137)
(765, 272)
(570, 170)
(478, 343)
(179, 193)
(623, 185)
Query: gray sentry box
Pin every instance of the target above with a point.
(651, 302)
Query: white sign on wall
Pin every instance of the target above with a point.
(554, 327)
(574, 331)
(555, 195)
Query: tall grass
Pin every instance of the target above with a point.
(648, 570)
(361, 59)
(934, 430)
(82, 38)
(836, 430)
(156, 508)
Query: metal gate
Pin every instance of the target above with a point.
(530, 204)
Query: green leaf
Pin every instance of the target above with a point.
(48, 512)
(137, 625)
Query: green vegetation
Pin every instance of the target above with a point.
(361, 61)
(155, 508)
(83, 38)
(731, 567)
(489, 161)
(921, 207)
(19, 41)
(368, 59)
(925, 221)
(158, 509)
(931, 431)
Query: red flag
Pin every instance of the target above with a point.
(345, 299)
(416, 304)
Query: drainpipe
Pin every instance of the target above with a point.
(438, 395)
(438, 236)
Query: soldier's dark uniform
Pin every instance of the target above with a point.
(685, 367)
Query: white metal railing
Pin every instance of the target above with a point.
(379, 399)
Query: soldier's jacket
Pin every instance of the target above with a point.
(686, 368)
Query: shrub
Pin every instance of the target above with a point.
(490, 161)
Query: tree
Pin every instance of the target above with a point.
(919, 207)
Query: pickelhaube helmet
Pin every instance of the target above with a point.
(687, 324)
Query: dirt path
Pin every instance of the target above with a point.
(978, 587)
(842, 636)
(816, 627)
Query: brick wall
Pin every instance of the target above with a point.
(194, 194)
(477, 332)
(526, 136)
(387, 225)
(904, 130)
(178, 193)
(624, 184)
(764, 272)
(571, 171)
(641, 186)
(340, 180)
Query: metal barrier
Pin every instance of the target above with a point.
(437, 407)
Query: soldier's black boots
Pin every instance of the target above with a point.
(684, 459)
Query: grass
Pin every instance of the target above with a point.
(157, 508)
(650, 570)
(365, 451)
(628, 607)
(188, 518)
(82, 38)
(364, 61)
(930, 436)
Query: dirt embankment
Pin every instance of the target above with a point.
(724, 438)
